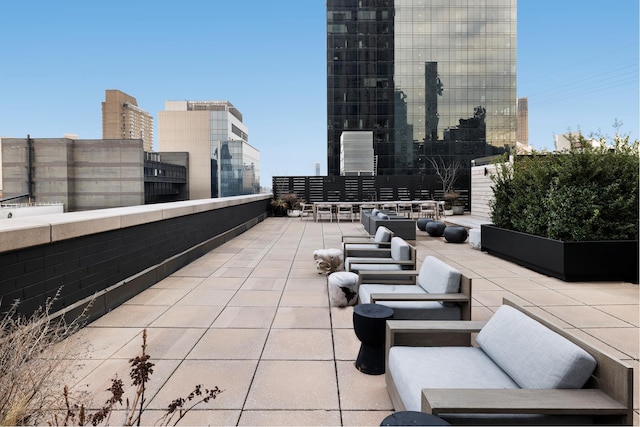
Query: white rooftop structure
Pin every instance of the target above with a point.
(356, 153)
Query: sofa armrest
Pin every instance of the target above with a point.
(364, 276)
(396, 327)
(589, 402)
(357, 260)
(371, 253)
(419, 297)
(383, 277)
(430, 333)
(362, 238)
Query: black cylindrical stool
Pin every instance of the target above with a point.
(413, 418)
(369, 322)
(422, 223)
(435, 228)
(455, 234)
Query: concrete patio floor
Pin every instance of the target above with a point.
(253, 318)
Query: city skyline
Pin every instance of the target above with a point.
(577, 65)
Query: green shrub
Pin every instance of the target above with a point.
(584, 194)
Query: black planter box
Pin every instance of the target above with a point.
(612, 260)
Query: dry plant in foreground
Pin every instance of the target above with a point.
(31, 360)
(141, 370)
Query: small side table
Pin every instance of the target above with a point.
(413, 418)
(369, 322)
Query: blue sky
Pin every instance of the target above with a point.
(577, 64)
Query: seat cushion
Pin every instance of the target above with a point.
(438, 277)
(413, 310)
(532, 354)
(366, 289)
(415, 368)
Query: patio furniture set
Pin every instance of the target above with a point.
(415, 327)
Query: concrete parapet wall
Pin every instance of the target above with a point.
(112, 254)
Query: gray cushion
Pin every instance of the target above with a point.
(400, 249)
(382, 215)
(414, 310)
(383, 234)
(438, 277)
(374, 212)
(532, 354)
(415, 368)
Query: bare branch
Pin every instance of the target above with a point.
(446, 172)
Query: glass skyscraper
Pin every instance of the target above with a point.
(433, 79)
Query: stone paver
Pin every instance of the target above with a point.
(253, 318)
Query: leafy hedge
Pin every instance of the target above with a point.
(583, 194)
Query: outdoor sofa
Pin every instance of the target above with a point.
(400, 225)
(438, 292)
(523, 369)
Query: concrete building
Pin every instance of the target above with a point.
(356, 153)
(567, 141)
(123, 119)
(429, 78)
(221, 161)
(86, 174)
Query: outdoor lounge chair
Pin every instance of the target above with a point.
(524, 369)
(362, 246)
(402, 257)
(440, 292)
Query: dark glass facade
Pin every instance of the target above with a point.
(431, 78)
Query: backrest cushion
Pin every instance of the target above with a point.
(382, 215)
(533, 355)
(400, 249)
(374, 212)
(383, 234)
(438, 277)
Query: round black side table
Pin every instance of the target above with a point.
(413, 418)
(369, 322)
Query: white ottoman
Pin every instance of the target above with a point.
(475, 238)
(343, 288)
(329, 260)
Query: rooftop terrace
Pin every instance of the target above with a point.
(253, 318)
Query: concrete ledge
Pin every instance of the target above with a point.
(18, 233)
(32, 231)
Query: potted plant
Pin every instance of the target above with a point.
(570, 215)
(293, 203)
(278, 207)
(452, 203)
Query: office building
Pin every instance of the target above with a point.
(429, 78)
(123, 119)
(522, 135)
(221, 161)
